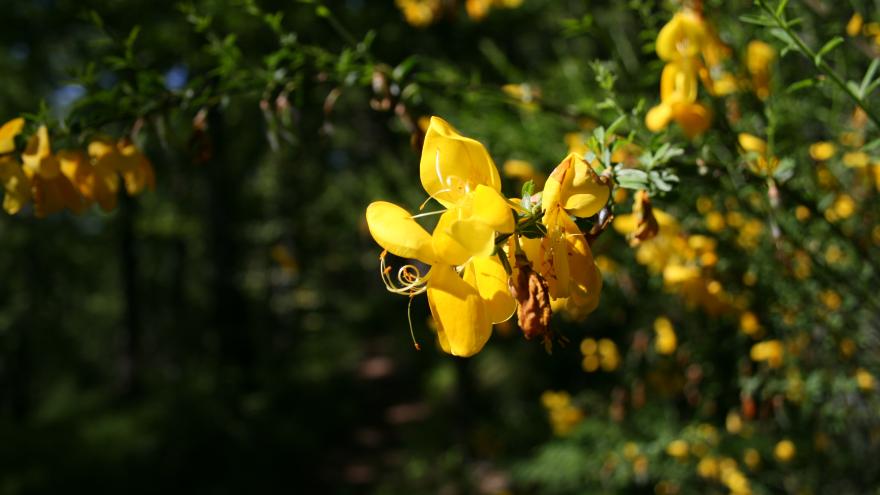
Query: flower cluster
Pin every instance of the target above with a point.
(491, 257)
(680, 44)
(68, 179)
(693, 52)
(563, 414)
(686, 261)
(421, 13)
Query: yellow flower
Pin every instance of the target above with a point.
(822, 150)
(854, 26)
(682, 37)
(678, 94)
(752, 458)
(677, 448)
(856, 159)
(666, 341)
(715, 221)
(523, 171)
(865, 380)
(763, 162)
(609, 355)
(708, 468)
(831, 299)
(419, 13)
(16, 185)
(123, 157)
(98, 182)
(784, 450)
(467, 285)
(770, 351)
(749, 323)
(52, 191)
(733, 423)
(478, 9)
(602, 354)
(564, 415)
(8, 132)
(564, 257)
(759, 56)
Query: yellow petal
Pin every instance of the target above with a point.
(854, 26)
(477, 238)
(751, 143)
(694, 118)
(445, 245)
(575, 186)
(822, 150)
(490, 280)
(16, 185)
(678, 84)
(38, 158)
(556, 252)
(94, 182)
(8, 133)
(107, 154)
(136, 169)
(459, 312)
(759, 56)
(393, 228)
(139, 178)
(625, 224)
(658, 117)
(453, 165)
(681, 37)
(491, 208)
(55, 194)
(587, 195)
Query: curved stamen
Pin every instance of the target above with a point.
(409, 281)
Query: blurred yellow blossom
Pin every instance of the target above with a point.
(784, 450)
(749, 324)
(677, 448)
(865, 379)
(733, 423)
(522, 171)
(602, 354)
(854, 25)
(759, 56)
(822, 150)
(752, 458)
(761, 161)
(856, 159)
(680, 43)
(665, 342)
(419, 13)
(563, 414)
(769, 351)
(708, 468)
(831, 299)
(715, 221)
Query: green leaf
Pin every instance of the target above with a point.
(617, 123)
(757, 20)
(802, 84)
(783, 36)
(780, 9)
(528, 188)
(826, 48)
(869, 75)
